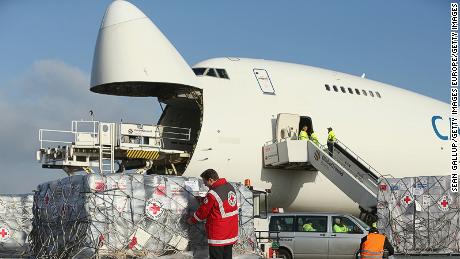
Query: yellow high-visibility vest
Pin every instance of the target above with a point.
(331, 136)
(303, 135)
(308, 228)
(340, 229)
(314, 138)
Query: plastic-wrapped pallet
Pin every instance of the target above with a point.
(126, 214)
(15, 224)
(420, 215)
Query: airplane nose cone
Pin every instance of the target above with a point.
(132, 57)
(121, 11)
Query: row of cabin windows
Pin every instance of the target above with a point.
(350, 90)
(214, 72)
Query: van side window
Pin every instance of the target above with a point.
(282, 223)
(345, 225)
(312, 224)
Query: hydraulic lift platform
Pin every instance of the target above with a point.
(94, 144)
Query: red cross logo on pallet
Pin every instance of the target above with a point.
(407, 199)
(153, 209)
(4, 234)
(443, 203)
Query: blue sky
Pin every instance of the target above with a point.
(46, 50)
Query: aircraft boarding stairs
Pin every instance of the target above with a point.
(94, 144)
(351, 174)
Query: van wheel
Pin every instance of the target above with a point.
(284, 253)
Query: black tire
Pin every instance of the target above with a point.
(284, 253)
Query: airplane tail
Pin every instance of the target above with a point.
(133, 58)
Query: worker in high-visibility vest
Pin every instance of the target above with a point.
(314, 138)
(308, 227)
(303, 135)
(339, 227)
(330, 140)
(374, 245)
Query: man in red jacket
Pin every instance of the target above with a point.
(220, 210)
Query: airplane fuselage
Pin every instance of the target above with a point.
(392, 132)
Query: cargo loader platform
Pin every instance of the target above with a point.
(94, 144)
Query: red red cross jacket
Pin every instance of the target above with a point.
(220, 210)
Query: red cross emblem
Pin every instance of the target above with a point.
(153, 209)
(132, 243)
(407, 199)
(4, 234)
(231, 199)
(443, 203)
(99, 186)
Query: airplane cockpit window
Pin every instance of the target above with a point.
(199, 71)
(357, 91)
(214, 72)
(364, 92)
(378, 95)
(211, 72)
(335, 88)
(328, 87)
(350, 90)
(371, 93)
(222, 73)
(342, 89)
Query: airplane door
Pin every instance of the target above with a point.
(287, 126)
(264, 81)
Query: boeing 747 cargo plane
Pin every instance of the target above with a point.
(244, 115)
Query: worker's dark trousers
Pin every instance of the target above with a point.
(330, 147)
(220, 252)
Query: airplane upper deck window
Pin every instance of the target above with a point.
(350, 90)
(214, 72)
(211, 72)
(199, 71)
(222, 73)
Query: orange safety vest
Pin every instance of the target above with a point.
(372, 248)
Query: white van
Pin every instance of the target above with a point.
(313, 235)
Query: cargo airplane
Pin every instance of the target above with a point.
(235, 107)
